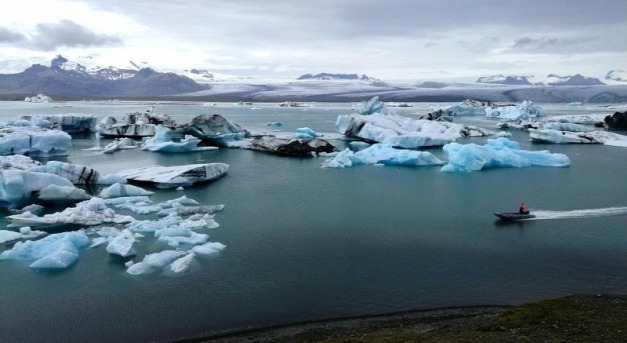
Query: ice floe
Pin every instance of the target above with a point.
(168, 140)
(122, 244)
(498, 153)
(155, 261)
(19, 188)
(565, 137)
(216, 130)
(20, 162)
(120, 144)
(526, 110)
(56, 251)
(175, 176)
(118, 190)
(381, 154)
(77, 174)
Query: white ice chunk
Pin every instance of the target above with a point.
(156, 261)
(122, 244)
(20, 162)
(55, 251)
(121, 144)
(523, 111)
(34, 141)
(182, 264)
(19, 187)
(498, 153)
(117, 190)
(6, 236)
(90, 212)
(38, 98)
(110, 179)
(98, 241)
(70, 122)
(56, 193)
(564, 137)
(208, 248)
(172, 177)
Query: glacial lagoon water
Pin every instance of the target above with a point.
(307, 243)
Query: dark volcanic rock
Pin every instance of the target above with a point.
(616, 121)
(292, 147)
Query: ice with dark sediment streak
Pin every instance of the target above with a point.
(379, 124)
(175, 176)
(168, 140)
(75, 173)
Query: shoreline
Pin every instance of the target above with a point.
(573, 318)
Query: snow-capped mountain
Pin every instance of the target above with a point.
(549, 80)
(617, 75)
(76, 79)
(505, 80)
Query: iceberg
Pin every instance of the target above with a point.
(467, 107)
(526, 110)
(120, 144)
(216, 130)
(57, 251)
(375, 123)
(595, 119)
(559, 126)
(77, 174)
(71, 122)
(174, 236)
(118, 190)
(62, 194)
(122, 244)
(137, 124)
(292, 147)
(498, 153)
(167, 140)
(38, 98)
(33, 141)
(305, 133)
(381, 154)
(565, 137)
(90, 212)
(20, 162)
(19, 188)
(209, 248)
(274, 123)
(182, 263)
(358, 145)
(156, 261)
(172, 177)
(25, 233)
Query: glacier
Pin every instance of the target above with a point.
(498, 153)
(381, 154)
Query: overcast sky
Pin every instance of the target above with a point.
(393, 39)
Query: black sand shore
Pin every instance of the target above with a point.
(574, 318)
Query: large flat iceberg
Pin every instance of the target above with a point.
(566, 137)
(498, 153)
(172, 177)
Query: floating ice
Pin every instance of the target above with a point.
(372, 106)
(77, 174)
(33, 208)
(120, 144)
(110, 179)
(55, 251)
(216, 130)
(274, 123)
(595, 119)
(18, 188)
(122, 244)
(291, 147)
(90, 212)
(172, 177)
(6, 236)
(33, 141)
(559, 126)
(174, 236)
(383, 126)
(498, 153)
(564, 137)
(71, 122)
(118, 190)
(38, 98)
(525, 110)
(168, 140)
(20, 162)
(156, 261)
(305, 133)
(382, 154)
(62, 194)
(209, 248)
(467, 107)
(358, 145)
(136, 124)
(182, 263)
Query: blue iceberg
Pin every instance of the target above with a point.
(381, 154)
(56, 251)
(498, 153)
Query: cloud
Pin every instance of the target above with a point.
(528, 43)
(8, 36)
(67, 33)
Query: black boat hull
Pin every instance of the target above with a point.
(511, 216)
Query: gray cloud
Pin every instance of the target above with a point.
(69, 34)
(8, 36)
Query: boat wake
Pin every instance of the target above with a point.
(587, 213)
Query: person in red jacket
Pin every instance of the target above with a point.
(523, 209)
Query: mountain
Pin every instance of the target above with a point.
(337, 77)
(505, 80)
(74, 79)
(549, 80)
(617, 75)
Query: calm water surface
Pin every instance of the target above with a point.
(306, 243)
